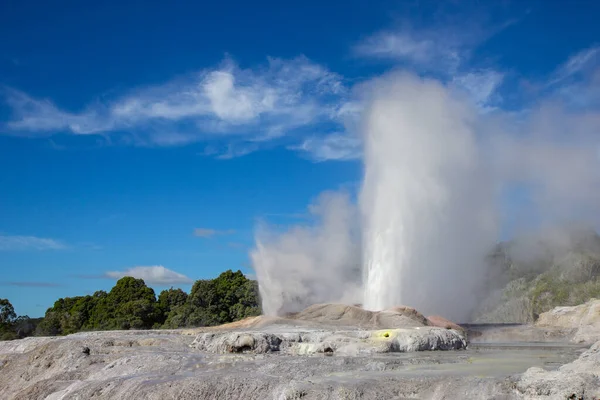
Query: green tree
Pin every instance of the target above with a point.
(131, 304)
(7, 312)
(130, 289)
(99, 316)
(169, 300)
(7, 318)
(24, 326)
(229, 297)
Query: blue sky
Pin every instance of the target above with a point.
(146, 134)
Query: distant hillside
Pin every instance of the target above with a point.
(533, 274)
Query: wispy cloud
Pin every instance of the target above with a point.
(20, 243)
(445, 51)
(90, 276)
(298, 215)
(231, 150)
(427, 49)
(207, 232)
(442, 41)
(481, 86)
(33, 284)
(254, 104)
(576, 63)
(157, 275)
(576, 82)
(336, 146)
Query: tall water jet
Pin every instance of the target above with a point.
(425, 202)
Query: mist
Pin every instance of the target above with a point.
(436, 173)
(315, 263)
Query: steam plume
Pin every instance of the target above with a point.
(435, 169)
(310, 264)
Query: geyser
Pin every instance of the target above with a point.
(426, 204)
(425, 217)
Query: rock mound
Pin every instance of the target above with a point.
(353, 316)
(335, 328)
(329, 342)
(584, 319)
(441, 322)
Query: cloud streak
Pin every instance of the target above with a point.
(23, 243)
(427, 49)
(577, 63)
(33, 284)
(335, 146)
(208, 233)
(157, 275)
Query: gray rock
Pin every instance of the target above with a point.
(347, 342)
(584, 318)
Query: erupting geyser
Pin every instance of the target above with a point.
(424, 201)
(425, 214)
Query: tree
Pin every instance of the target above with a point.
(131, 304)
(169, 300)
(229, 297)
(7, 318)
(130, 289)
(25, 326)
(7, 312)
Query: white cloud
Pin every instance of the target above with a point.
(428, 49)
(17, 243)
(481, 86)
(207, 232)
(336, 146)
(440, 45)
(233, 150)
(576, 63)
(157, 275)
(577, 81)
(256, 104)
(396, 46)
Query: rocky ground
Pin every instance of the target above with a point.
(325, 352)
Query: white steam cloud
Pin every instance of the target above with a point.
(310, 264)
(435, 170)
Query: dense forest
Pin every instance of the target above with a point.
(130, 304)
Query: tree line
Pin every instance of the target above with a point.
(130, 304)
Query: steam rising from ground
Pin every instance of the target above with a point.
(310, 264)
(434, 168)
